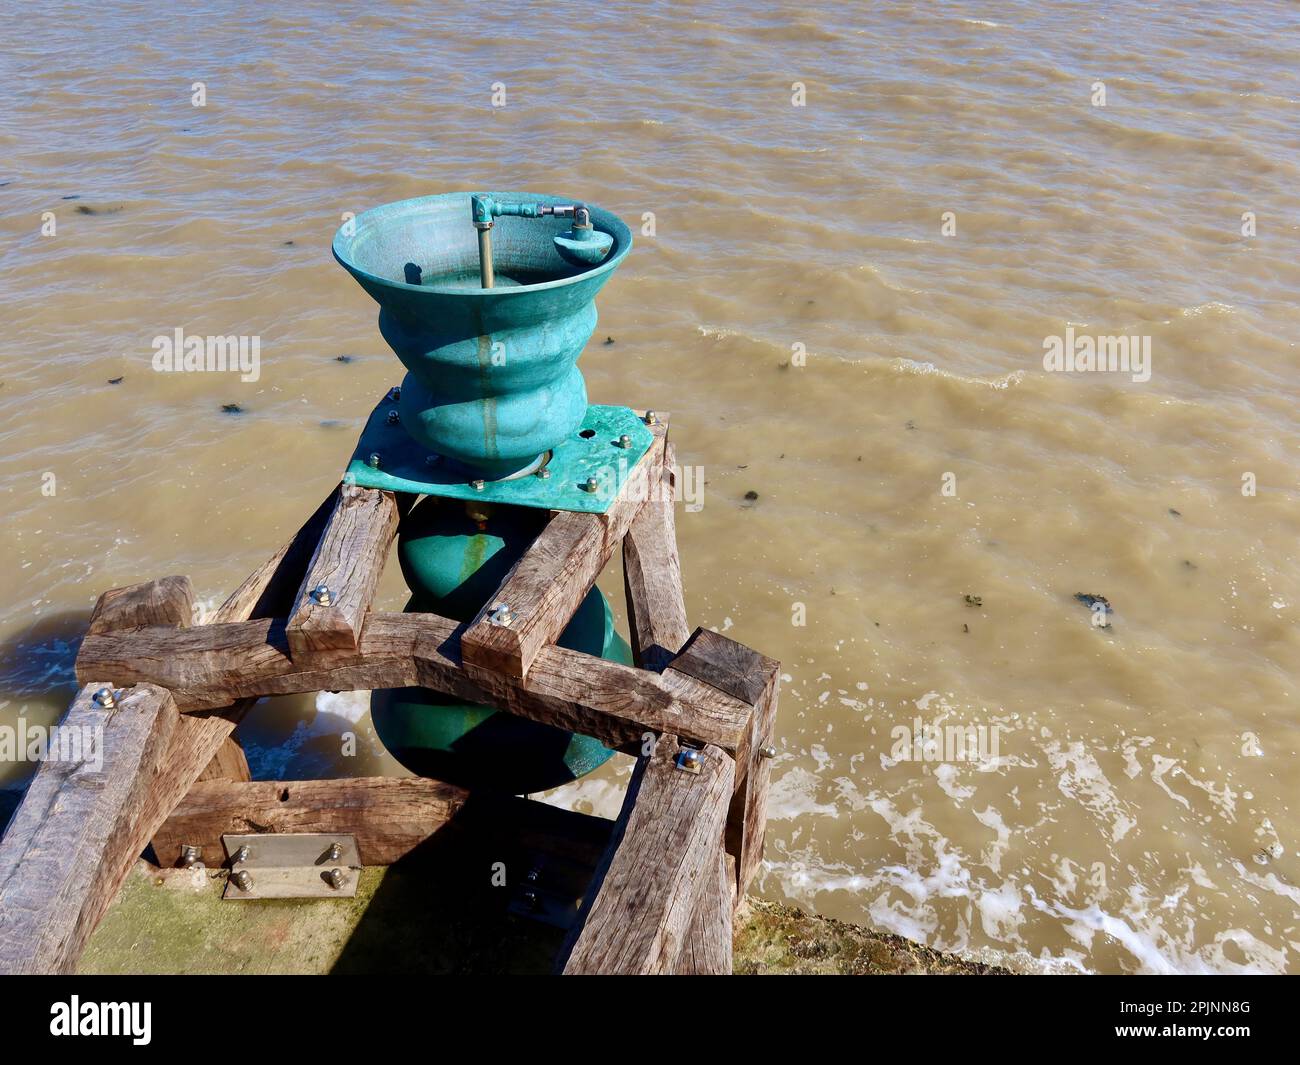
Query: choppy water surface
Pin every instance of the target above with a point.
(1140, 813)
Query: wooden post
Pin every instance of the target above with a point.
(753, 679)
(80, 826)
(652, 577)
(708, 943)
(348, 562)
(663, 858)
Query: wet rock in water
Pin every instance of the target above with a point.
(231, 408)
(974, 600)
(751, 495)
(116, 380)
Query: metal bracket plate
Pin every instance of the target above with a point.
(292, 865)
(592, 452)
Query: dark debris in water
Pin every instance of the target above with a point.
(85, 209)
(1175, 513)
(974, 600)
(609, 340)
(344, 358)
(751, 495)
(1100, 607)
(231, 408)
(116, 380)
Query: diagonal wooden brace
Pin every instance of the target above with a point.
(551, 579)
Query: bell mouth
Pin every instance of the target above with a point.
(429, 244)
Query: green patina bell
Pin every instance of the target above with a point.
(453, 556)
(488, 300)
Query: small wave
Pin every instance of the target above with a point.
(925, 369)
(1213, 307)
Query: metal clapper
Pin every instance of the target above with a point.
(292, 865)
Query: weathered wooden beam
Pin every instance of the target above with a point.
(652, 577)
(752, 678)
(269, 591)
(348, 561)
(708, 947)
(551, 579)
(214, 665)
(166, 601)
(389, 816)
(81, 824)
(618, 704)
(664, 855)
(228, 764)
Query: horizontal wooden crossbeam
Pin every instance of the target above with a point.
(213, 665)
(389, 816)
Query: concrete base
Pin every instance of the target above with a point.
(409, 919)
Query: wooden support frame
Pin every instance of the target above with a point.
(680, 856)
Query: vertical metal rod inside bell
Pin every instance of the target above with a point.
(486, 276)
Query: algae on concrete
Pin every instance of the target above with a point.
(411, 918)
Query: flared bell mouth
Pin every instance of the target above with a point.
(429, 244)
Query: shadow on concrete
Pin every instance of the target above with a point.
(442, 908)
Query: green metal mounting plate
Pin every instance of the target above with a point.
(592, 451)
